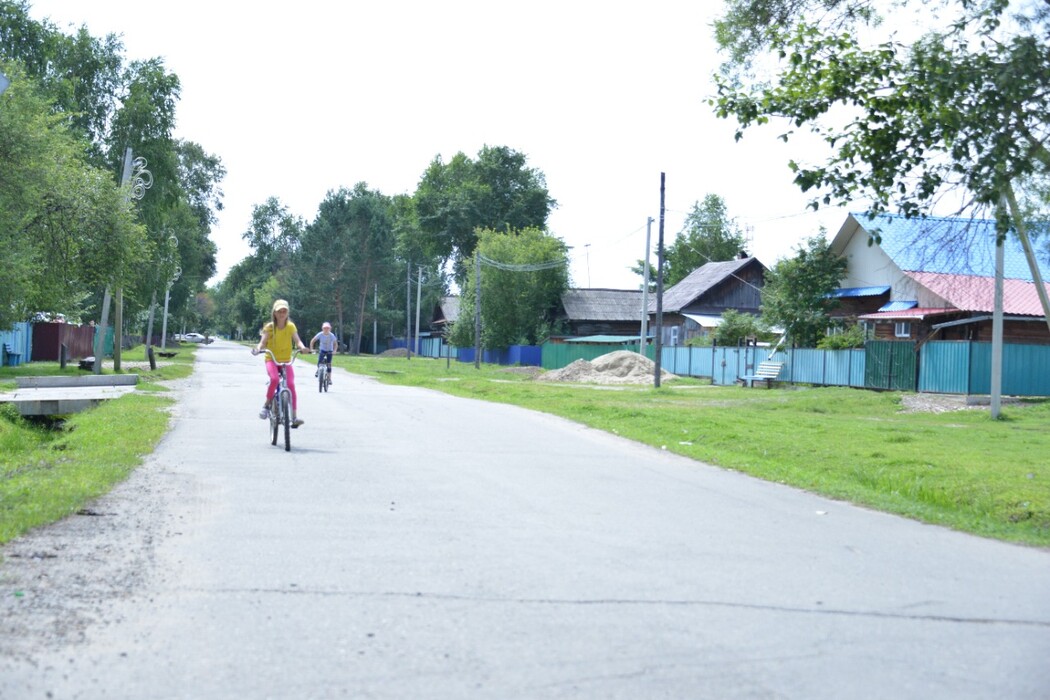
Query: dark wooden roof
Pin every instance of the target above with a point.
(446, 311)
(699, 282)
(602, 304)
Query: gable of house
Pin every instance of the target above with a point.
(938, 271)
(446, 311)
(715, 287)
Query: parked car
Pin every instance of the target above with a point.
(193, 338)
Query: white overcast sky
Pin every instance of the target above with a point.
(299, 98)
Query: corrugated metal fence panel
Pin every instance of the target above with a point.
(890, 365)
(1026, 369)
(558, 355)
(945, 366)
(826, 367)
(20, 340)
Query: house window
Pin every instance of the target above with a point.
(674, 335)
(902, 329)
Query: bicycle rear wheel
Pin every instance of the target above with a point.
(327, 378)
(286, 417)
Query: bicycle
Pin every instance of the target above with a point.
(324, 377)
(281, 404)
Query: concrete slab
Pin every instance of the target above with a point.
(78, 381)
(60, 401)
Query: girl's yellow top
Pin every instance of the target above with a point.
(280, 342)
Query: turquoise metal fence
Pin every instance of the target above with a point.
(950, 367)
(20, 341)
(965, 367)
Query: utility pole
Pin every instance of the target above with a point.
(477, 309)
(645, 289)
(375, 320)
(408, 311)
(419, 296)
(659, 288)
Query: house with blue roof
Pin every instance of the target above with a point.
(934, 278)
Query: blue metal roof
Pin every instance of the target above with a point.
(950, 246)
(859, 291)
(899, 306)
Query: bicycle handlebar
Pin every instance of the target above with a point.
(295, 354)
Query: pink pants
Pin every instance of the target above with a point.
(271, 369)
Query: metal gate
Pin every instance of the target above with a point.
(890, 364)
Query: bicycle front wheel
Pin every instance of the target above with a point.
(286, 417)
(320, 380)
(275, 419)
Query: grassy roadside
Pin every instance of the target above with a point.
(958, 469)
(51, 470)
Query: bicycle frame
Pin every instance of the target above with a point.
(281, 404)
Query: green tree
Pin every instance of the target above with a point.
(965, 109)
(64, 225)
(737, 327)
(796, 293)
(345, 251)
(80, 74)
(497, 191)
(708, 235)
(523, 275)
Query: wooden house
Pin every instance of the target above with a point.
(445, 313)
(934, 278)
(694, 306)
(605, 312)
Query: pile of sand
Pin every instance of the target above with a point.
(620, 367)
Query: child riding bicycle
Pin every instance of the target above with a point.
(328, 343)
(279, 336)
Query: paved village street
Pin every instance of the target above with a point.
(418, 545)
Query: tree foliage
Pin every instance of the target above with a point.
(523, 275)
(347, 249)
(967, 106)
(737, 327)
(796, 295)
(497, 191)
(964, 110)
(65, 226)
(106, 107)
(708, 235)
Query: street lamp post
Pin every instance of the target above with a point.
(167, 295)
(140, 180)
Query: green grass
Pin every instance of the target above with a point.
(49, 470)
(959, 469)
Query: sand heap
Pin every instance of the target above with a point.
(620, 367)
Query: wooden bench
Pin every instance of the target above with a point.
(88, 364)
(767, 372)
(10, 357)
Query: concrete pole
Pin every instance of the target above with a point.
(659, 287)
(645, 289)
(419, 296)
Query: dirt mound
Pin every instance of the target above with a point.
(619, 367)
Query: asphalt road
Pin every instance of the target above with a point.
(416, 545)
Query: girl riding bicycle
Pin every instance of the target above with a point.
(279, 336)
(329, 343)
